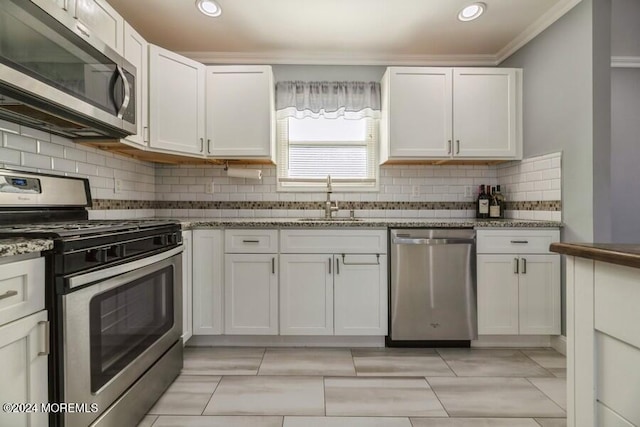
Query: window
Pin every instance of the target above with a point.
(310, 149)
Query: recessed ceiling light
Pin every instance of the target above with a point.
(209, 7)
(472, 12)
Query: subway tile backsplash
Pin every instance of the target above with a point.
(532, 186)
(32, 150)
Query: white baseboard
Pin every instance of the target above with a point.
(283, 341)
(559, 344)
(519, 341)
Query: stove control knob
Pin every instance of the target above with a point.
(173, 239)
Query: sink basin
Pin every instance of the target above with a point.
(329, 219)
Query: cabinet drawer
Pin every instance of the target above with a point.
(516, 241)
(21, 289)
(333, 241)
(616, 294)
(251, 241)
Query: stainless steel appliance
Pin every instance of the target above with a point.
(433, 287)
(113, 295)
(54, 76)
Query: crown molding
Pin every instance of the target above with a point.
(333, 58)
(541, 24)
(625, 62)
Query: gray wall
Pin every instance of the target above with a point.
(625, 31)
(625, 126)
(361, 73)
(558, 110)
(625, 154)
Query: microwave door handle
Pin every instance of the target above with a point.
(127, 92)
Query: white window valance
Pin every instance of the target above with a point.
(351, 100)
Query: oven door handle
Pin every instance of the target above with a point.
(95, 276)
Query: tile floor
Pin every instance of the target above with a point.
(335, 387)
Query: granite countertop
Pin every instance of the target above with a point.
(19, 246)
(192, 223)
(621, 254)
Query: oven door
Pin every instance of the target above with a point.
(117, 328)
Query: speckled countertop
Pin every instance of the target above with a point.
(19, 246)
(621, 254)
(193, 223)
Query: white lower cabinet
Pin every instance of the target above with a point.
(360, 294)
(187, 287)
(518, 292)
(251, 294)
(342, 293)
(23, 358)
(207, 297)
(306, 294)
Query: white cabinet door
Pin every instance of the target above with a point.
(360, 288)
(497, 294)
(23, 358)
(187, 287)
(176, 101)
(102, 21)
(419, 112)
(251, 294)
(136, 51)
(539, 295)
(240, 111)
(485, 112)
(306, 294)
(207, 262)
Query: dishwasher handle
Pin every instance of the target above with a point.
(431, 242)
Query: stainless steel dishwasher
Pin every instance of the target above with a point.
(432, 297)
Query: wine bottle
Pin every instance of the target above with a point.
(501, 201)
(494, 204)
(482, 210)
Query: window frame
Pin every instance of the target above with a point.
(339, 185)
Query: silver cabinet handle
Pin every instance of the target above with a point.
(524, 242)
(524, 265)
(145, 134)
(8, 294)
(47, 339)
(449, 150)
(251, 241)
(127, 92)
(457, 146)
(201, 145)
(337, 265)
(515, 266)
(65, 5)
(273, 265)
(208, 146)
(329, 265)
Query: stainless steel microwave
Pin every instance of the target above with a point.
(54, 76)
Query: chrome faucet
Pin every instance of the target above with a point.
(329, 208)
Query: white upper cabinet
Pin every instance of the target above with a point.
(136, 52)
(451, 113)
(417, 106)
(176, 100)
(485, 112)
(101, 21)
(240, 112)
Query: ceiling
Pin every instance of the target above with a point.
(367, 32)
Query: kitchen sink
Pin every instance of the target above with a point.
(329, 219)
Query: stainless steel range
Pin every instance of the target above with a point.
(114, 296)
